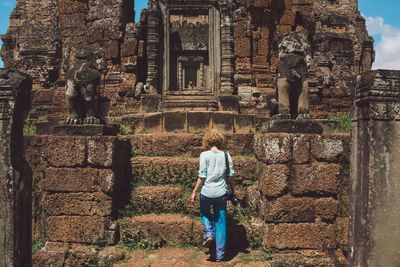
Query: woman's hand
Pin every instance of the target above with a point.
(193, 198)
(199, 183)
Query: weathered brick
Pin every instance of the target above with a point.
(102, 151)
(301, 149)
(288, 209)
(223, 121)
(112, 50)
(160, 198)
(75, 229)
(326, 148)
(175, 121)
(327, 208)
(242, 47)
(129, 47)
(153, 122)
(199, 120)
(301, 236)
(75, 20)
(318, 178)
(261, 3)
(272, 148)
(240, 29)
(89, 204)
(287, 18)
(63, 151)
(244, 123)
(238, 144)
(342, 230)
(71, 7)
(94, 33)
(273, 179)
(263, 47)
(71, 180)
(173, 227)
(168, 144)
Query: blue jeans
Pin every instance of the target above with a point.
(219, 206)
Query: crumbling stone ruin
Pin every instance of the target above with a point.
(189, 55)
(185, 67)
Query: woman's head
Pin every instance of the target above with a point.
(213, 138)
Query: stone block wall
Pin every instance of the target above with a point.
(80, 184)
(304, 190)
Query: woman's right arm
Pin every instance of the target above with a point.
(199, 183)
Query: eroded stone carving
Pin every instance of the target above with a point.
(293, 67)
(83, 87)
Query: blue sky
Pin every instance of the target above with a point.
(383, 24)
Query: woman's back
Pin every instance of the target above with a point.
(213, 168)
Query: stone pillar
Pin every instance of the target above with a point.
(227, 72)
(180, 75)
(15, 176)
(153, 41)
(374, 233)
(214, 49)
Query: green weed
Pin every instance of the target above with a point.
(100, 242)
(345, 121)
(255, 241)
(37, 244)
(29, 128)
(134, 240)
(268, 254)
(244, 214)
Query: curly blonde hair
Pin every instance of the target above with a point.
(213, 138)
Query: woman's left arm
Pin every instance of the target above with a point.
(230, 178)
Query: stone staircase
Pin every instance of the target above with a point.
(160, 210)
(193, 100)
(150, 190)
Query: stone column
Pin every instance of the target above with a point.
(153, 41)
(374, 233)
(227, 57)
(180, 78)
(201, 76)
(214, 49)
(15, 175)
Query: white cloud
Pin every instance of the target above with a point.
(6, 3)
(388, 47)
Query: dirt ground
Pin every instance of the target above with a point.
(190, 257)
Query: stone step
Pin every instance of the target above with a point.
(166, 199)
(186, 144)
(189, 93)
(180, 229)
(183, 171)
(186, 104)
(189, 120)
(189, 97)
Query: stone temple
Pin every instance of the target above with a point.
(121, 107)
(189, 55)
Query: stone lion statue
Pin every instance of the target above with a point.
(83, 87)
(292, 85)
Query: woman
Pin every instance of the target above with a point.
(213, 184)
